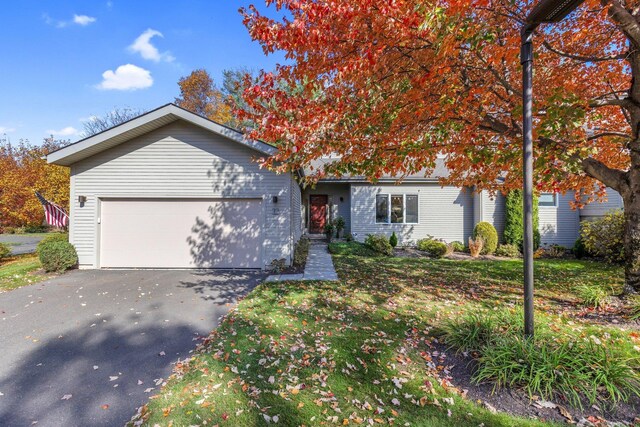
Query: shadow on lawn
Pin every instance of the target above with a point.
(65, 366)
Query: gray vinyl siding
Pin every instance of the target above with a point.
(337, 207)
(296, 210)
(559, 225)
(178, 160)
(493, 211)
(597, 209)
(443, 212)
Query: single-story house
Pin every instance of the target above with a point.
(171, 189)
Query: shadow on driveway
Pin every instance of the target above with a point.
(89, 347)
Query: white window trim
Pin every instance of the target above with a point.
(555, 202)
(404, 209)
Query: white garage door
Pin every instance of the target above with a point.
(169, 233)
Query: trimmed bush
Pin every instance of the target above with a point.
(379, 243)
(508, 251)
(56, 237)
(338, 223)
(5, 251)
(513, 220)
(434, 248)
(604, 237)
(348, 237)
(457, 246)
(487, 232)
(57, 256)
(301, 252)
(393, 240)
(579, 249)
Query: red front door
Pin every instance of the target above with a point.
(318, 213)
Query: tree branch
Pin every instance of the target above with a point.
(624, 20)
(608, 133)
(582, 57)
(613, 178)
(618, 102)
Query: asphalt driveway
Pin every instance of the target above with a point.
(89, 347)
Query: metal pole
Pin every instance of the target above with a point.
(526, 59)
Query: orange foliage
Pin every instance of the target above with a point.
(199, 94)
(23, 170)
(391, 85)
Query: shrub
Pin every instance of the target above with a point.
(393, 240)
(435, 248)
(513, 220)
(487, 232)
(578, 249)
(348, 237)
(328, 231)
(508, 250)
(457, 246)
(475, 247)
(604, 237)
(634, 307)
(278, 265)
(379, 243)
(352, 249)
(338, 223)
(550, 366)
(555, 251)
(55, 237)
(5, 250)
(36, 228)
(593, 295)
(57, 256)
(301, 251)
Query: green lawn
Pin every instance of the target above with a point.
(20, 271)
(358, 351)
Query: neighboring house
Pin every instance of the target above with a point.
(170, 189)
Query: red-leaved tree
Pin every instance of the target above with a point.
(390, 85)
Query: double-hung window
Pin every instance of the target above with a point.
(397, 208)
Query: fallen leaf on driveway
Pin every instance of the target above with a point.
(95, 367)
(162, 353)
(105, 407)
(113, 377)
(66, 397)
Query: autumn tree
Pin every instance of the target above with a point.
(97, 124)
(23, 171)
(200, 95)
(389, 86)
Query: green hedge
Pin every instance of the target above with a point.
(513, 232)
(57, 256)
(487, 232)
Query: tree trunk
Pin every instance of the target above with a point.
(632, 242)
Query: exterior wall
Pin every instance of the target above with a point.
(597, 209)
(559, 225)
(443, 212)
(297, 224)
(179, 160)
(491, 210)
(337, 207)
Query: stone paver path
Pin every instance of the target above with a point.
(319, 266)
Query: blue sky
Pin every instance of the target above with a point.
(64, 61)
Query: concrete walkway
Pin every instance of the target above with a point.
(319, 266)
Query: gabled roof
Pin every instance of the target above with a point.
(145, 123)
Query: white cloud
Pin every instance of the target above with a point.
(68, 131)
(83, 20)
(126, 77)
(4, 129)
(143, 46)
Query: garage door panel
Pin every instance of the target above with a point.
(181, 233)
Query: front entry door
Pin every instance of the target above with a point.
(318, 213)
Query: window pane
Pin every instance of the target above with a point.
(547, 199)
(382, 208)
(412, 209)
(396, 209)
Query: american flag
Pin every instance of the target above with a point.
(54, 214)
